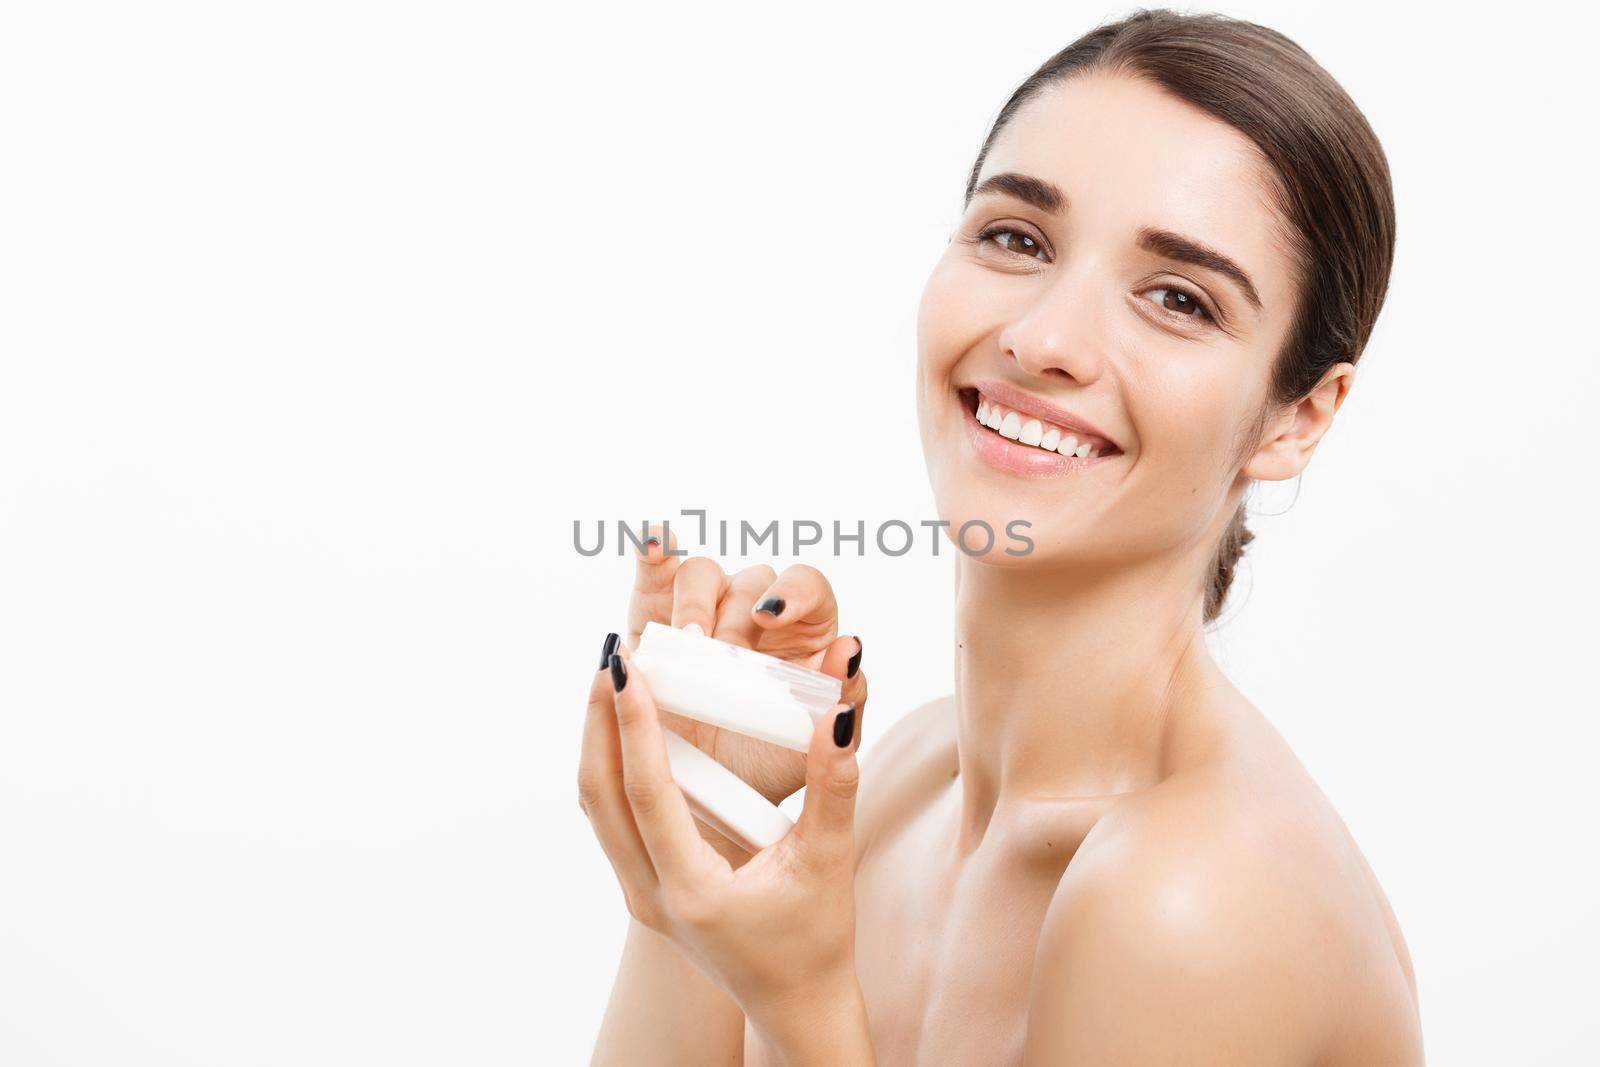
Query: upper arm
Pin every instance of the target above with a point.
(1165, 957)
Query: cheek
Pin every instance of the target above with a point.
(1189, 410)
(951, 317)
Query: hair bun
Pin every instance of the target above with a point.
(1229, 549)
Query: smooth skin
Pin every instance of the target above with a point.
(1096, 850)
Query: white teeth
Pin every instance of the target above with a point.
(1027, 430)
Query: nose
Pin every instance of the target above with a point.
(1056, 336)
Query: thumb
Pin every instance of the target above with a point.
(826, 827)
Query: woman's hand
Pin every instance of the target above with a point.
(778, 932)
(793, 616)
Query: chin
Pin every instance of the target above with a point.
(1043, 511)
(1018, 531)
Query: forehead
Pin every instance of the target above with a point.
(1127, 154)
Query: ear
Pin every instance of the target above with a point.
(1291, 438)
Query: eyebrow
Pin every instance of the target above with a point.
(1187, 250)
(1048, 197)
(1025, 187)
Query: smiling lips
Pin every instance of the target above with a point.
(1027, 430)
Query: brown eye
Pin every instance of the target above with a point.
(1018, 243)
(1180, 302)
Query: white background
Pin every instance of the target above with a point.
(323, 321)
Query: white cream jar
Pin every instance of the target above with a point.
(737, 689)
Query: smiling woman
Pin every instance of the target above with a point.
(1284, 135)
(1175, 241)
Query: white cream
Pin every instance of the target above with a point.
(737, 689)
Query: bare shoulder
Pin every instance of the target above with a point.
(903, 767)
(922, 731)
(1224, 915)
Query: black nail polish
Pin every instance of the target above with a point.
(619, 672)
(607, 649)
(772, 605)
(855, 661)
(652, 540)
(844, 727)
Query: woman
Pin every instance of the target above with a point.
(1176, 240)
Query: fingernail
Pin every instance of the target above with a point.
(652, 540)
(844, 727)
(694, 628)
(772, 605)
(855, 661)
(619, 673)
(607, 649)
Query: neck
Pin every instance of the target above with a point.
(1065, 682)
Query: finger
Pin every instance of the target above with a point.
(653, 574)
(735, 620)
(825, 831)
(600, 791)
(842, 660)
(798, 611)
(696, 591)
(666, 825)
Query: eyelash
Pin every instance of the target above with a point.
(1203, 308)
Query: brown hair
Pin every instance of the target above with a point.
(1332, 181)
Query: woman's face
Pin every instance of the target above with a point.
(1095, 310)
